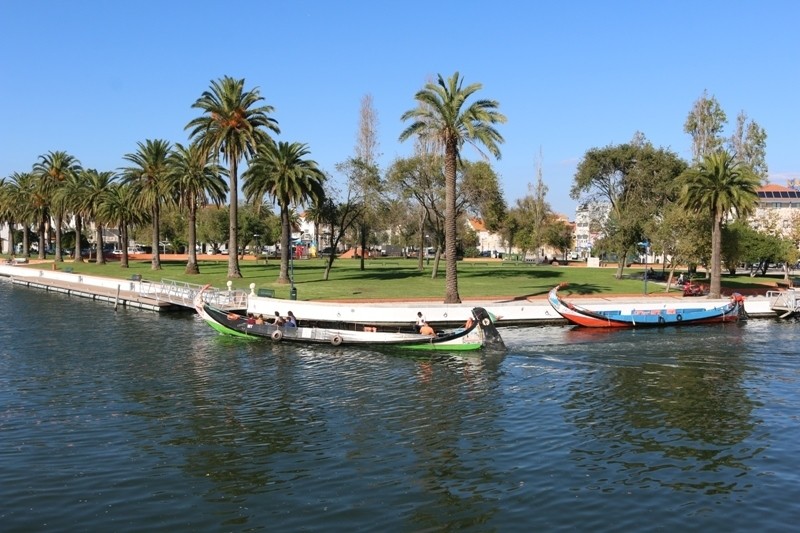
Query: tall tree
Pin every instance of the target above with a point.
(198, 181)
(719, 186)
(21, 193)
(442, 118)
(282, 173)
(53, 168)
(232, 125)
(97, 186)
(749, 145)
(71, 195)
(121, 210)
(150, 178)
(635, 181)
(704, 124)
(364, 170)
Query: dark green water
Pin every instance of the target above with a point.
(131, 421)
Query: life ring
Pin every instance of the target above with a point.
(679, 317)
(486, 321)
(336, 340)
(277, 335)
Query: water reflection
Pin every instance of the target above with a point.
(678, 415)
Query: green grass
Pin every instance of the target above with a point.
(400, 279)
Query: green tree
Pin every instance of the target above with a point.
(197, 179)
(718, 186)
(98, 185)
(705, 123)
(559, 235)
(232, 125)
(20, 196)
(749, 145)
(120, 209)
(636, 180)
(71, 195)
(282, 173)
(441, 118)
(150, 178)
(53, 168)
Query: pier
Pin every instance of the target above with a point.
(159, 296)
(786, 302)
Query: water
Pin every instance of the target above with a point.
(131, 421)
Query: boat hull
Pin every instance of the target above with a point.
(480, 333)
(676, 316)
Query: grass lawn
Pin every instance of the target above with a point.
(392, 278)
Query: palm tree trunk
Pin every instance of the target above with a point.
(123, 232)
(233, 226)
(191, 266)
(59, 258)
(156, 263)
(451, 267)
(99, 257)
(716, 265)
(286, 248)
(42, 239)
(78, 258)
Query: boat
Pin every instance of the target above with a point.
(664, 316)
(476, 333)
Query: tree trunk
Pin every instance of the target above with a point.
(286, 248)
(716, 264)
(42, 239)
(451, 266)
(123, 233)
(233, 225)
(156, 262)
(99, 257)
(59, 258)
(77, 257)
(363, 232)
(191, 266)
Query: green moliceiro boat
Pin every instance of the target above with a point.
(477, 333)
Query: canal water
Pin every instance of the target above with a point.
(134, 421)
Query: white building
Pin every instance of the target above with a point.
(590, 218)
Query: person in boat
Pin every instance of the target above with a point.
(279, 321)
(291, 321)
(426, 329)
(420, 321)
(260, 320)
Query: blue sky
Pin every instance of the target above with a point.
(96, 77)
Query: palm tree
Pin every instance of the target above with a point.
(20, 194)
(717, 187)
(440, 118)
(70, 195)
(197, 178)
(281, 173)
(232, 125)
(53, 169)
(120, 209)
(150, 179)
(98, 185)
(7, 213)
